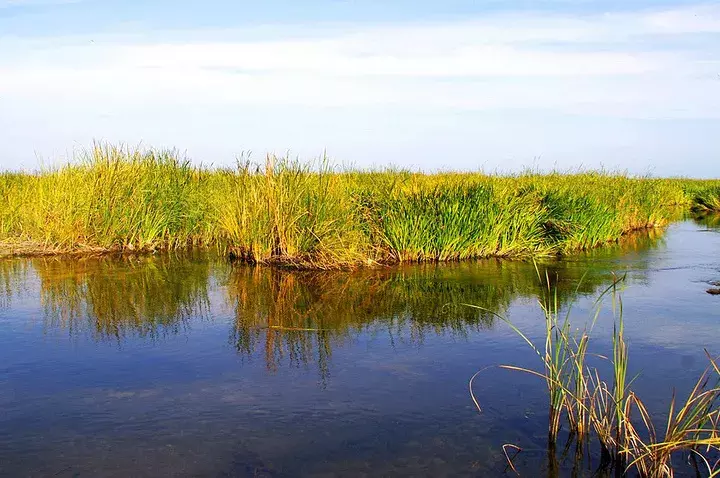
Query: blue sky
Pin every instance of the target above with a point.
(457, 84)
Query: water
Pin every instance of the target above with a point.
(187, 366)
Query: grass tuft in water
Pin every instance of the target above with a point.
(624, 430)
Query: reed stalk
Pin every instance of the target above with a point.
(623, 428)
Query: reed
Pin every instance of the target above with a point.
(623, 428)
(312, 215)
(706, 200)
(693, 427)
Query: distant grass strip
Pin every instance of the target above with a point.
(312, 215)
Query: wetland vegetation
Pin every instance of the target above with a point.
(600, 408)
(88, 226)
(315, 216)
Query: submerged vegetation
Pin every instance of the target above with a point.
(311, 215)
(607, 412)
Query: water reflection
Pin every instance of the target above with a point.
(709, 221)
(13, 273)
(296, 317)
(198, 336)
(111, 298)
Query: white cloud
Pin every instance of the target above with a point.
(334, 58)
(321, 73)
(698, 19)
(630, 65)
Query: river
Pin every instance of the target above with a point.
(186, 365)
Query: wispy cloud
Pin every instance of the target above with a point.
(644, 64)
(623, 64)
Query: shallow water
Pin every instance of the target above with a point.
(187, 366)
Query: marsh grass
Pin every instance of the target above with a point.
(111, 199)
(311, 215)
(706, 200)
(610, 413)
(292, 213)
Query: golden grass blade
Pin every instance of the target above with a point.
(510, 459)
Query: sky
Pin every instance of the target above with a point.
(498, 86)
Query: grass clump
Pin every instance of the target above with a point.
(289, 212)
(609, 413)
(112, 199)
(312, 215)
(707, 200)
(459, 221)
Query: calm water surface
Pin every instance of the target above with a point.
(187, 366)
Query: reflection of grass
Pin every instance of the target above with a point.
(309, 215)
(300, 317)
(709, 220)
(13, 276)
(628, 437)
(111, 298)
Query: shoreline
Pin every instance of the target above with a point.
(31, 250)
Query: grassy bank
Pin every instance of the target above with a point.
(114, 199)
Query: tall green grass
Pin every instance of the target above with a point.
(706, 200)
(300, 214)
(111, 199)
(114, 198)
(629, 438)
